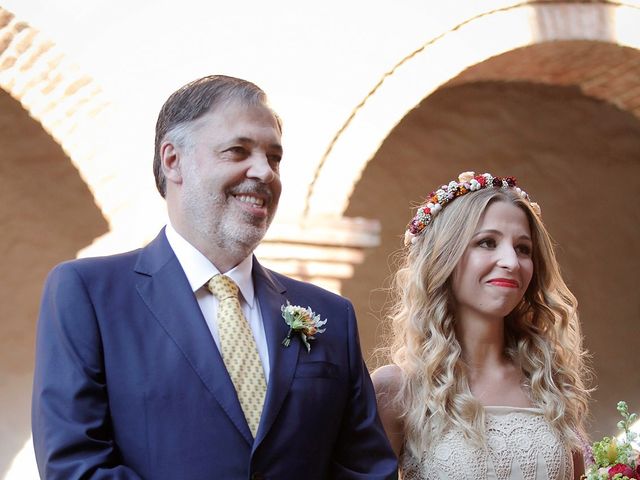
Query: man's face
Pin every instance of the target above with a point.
(230, 180)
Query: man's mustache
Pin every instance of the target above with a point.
(254, 188)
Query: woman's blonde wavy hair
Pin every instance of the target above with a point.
(542, 334)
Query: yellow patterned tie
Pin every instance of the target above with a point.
(239, 350)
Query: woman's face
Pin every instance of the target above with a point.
(496, 267)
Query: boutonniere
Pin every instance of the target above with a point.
(303, 321)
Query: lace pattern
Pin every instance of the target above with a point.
(520, 445)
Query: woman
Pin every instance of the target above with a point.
(486, 379)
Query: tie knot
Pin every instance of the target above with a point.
(222, 287)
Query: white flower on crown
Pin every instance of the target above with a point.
(466, 177)
(474, 185)
(409, 237)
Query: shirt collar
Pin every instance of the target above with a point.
(199, 269)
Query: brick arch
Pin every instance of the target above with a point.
(68, 104)
(459, 54)
(67, 109)
(48, 215)
(601, 70)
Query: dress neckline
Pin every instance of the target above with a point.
(508, 408)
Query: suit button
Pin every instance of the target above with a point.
(257, 476)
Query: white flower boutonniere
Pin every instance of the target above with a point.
(303, 321)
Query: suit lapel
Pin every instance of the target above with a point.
(282, 360)
(165, 290)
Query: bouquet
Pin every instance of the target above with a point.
(616, 459)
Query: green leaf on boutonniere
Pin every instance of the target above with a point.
(301, 321)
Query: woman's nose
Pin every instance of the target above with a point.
(508, 258)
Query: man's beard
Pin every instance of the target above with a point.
(240, 237)
(236, 233)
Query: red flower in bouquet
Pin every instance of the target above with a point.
(625, 470)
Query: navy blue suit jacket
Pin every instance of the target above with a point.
(129, 383)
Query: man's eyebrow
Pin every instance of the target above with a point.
(272, 146)
(276, 146)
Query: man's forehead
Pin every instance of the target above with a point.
(232, 107)
(240, 122)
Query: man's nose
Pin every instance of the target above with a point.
(260, 168)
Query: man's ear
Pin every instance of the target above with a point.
(170, 162)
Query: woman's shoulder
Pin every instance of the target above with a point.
(387, 379)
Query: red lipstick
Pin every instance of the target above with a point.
(504, 282)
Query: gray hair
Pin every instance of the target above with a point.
(194, 100)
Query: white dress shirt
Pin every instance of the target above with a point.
(199, 271)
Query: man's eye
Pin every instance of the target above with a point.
(274, 159)
(237, 149)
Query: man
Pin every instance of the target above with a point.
(147, 368)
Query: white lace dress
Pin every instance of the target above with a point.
(521, 445)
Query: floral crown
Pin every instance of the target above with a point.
(467, 182)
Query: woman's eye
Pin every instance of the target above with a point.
(524, 250)
(487, 243)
